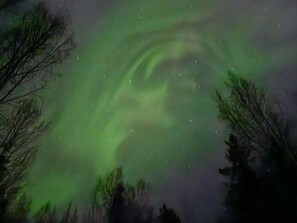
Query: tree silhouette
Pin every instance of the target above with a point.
(243, 183)
(120, 201)
(48, 214)
(29, 52)
(251, 114)
(266, 193)
(116, 213)
(168, 215)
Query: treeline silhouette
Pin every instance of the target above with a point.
(262, 170)
(112, 201)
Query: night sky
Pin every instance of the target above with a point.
(138, 92)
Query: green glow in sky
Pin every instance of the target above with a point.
(138, 93)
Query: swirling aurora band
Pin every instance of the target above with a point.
(139, 92)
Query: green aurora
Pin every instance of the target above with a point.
(138, 92)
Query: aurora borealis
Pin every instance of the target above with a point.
(138, 90)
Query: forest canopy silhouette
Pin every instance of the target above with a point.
(261, 171)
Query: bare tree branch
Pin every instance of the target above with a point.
(29, 53)
(254, 116)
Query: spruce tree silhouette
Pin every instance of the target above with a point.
(243, 183)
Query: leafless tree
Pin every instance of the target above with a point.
(18, 132)
(29, 53)
(254, 117)
(47, 214)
